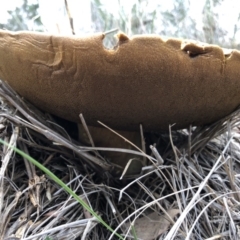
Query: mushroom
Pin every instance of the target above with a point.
(144, 80)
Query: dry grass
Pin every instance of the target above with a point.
(196, 188)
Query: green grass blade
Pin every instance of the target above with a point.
(62, 184)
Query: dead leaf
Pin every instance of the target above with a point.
(152, 225)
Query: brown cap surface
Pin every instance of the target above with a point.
(146, 79)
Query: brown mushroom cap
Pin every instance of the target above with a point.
(145, 79)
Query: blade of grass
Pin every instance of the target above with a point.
(62, 184)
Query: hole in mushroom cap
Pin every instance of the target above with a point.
(227, 53)
(193, 49)
(109, 40)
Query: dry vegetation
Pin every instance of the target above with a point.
(189, 191)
